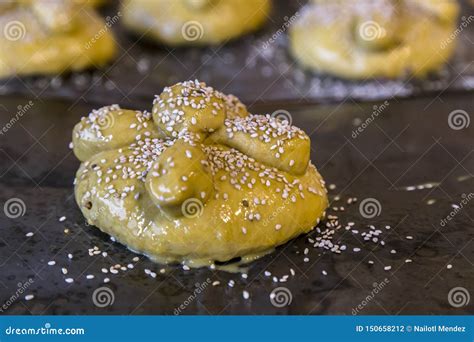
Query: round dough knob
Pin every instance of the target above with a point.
(189, 106)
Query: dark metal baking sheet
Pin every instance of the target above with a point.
(241, 67)
(407, 144)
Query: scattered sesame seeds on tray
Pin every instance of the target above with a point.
(404, 245)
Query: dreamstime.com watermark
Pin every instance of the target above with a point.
(466, 198)
(109, 22)
(377, 287)
(283, 116)
(192, 31)
(14, 30)
(465, 22)
(103, 297)
(21, 110)
(192, 208)
(14, 208)
(281, 297)
(371, 30)
(289, 21)
(459, 297)
(370, 208)
(377, 110)
(42, 331)
(271, 218)
(459, 119)
(94, 215)
(199, 288)
(21, 289)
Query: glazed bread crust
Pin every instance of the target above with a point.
(52, 36)
(364, 39)
(177, 189)
(194, 22)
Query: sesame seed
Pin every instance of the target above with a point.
(246, 294)
(29, 297)
(51, 263)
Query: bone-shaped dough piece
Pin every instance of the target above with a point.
(109, 128)
(179, 173)
(268, 140)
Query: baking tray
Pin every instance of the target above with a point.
(241, 67)
(408, 159)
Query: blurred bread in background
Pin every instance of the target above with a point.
(194, 22)
(52, 36)
(365, 39)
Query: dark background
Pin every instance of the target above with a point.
(409, 143)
